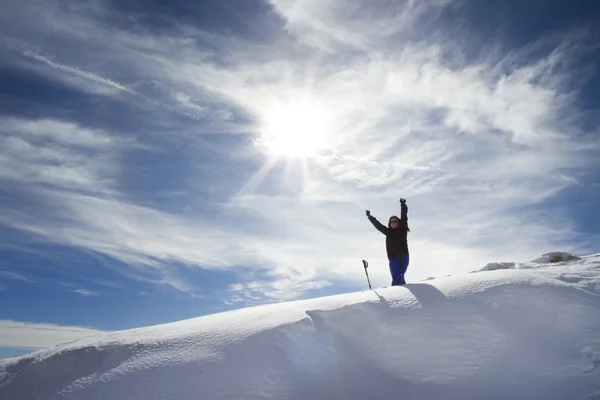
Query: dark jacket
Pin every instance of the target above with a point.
(396, 243)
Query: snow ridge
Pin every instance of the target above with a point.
(526, 332)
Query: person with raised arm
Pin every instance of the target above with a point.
(396, 242)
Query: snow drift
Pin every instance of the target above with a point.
(529, 332)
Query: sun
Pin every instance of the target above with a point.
(294, 131)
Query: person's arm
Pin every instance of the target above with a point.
(378, 225)
(404, 213)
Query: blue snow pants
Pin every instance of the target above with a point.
(398, 267)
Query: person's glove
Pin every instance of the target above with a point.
(402, 201)
(368, 213)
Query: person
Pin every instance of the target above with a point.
(396, 242)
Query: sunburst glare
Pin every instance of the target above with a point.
(294, 131)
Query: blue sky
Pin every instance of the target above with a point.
(164, 160)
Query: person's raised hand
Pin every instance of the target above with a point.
(368, 213)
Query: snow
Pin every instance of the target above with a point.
(528, 332)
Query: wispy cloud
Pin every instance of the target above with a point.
(86, 292)
(36, 336)
(12, 275)
(88, 80)
(364, 25)
(470, 143)
(266, 291)
(58, 132)
(62, 154)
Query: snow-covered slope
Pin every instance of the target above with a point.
(528, 332)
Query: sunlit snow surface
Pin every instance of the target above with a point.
(509, 331)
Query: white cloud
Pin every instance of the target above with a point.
(63, 154)
(86, 292)
(268, 291)
(39, 335)
(360, 24)
(58, 132)
(87, 80)
(12, 275)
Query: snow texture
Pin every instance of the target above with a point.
(530, 332)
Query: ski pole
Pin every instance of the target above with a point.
(366, 265)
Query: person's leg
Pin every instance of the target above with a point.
(395, 270)
(403, 266)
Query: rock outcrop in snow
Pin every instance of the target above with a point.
(515, 333)
(555, 257)
(548, 258)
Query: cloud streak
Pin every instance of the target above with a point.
(12, 275)
(86, 292)
(62, 154)
(86, 77)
